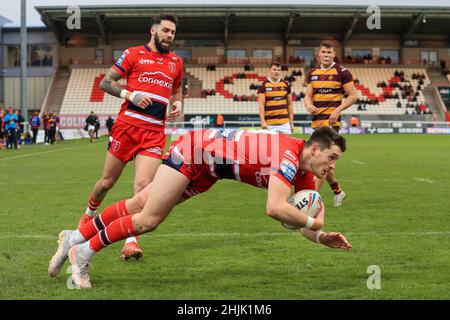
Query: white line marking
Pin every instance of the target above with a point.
(424, 180)
(359, 162)
(44, 152)
(39, 183)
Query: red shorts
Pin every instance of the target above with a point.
(200, 180)
(128, 141)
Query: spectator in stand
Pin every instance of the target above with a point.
(444, 68)
(35, 123)
(11, 121)
(422, 108)
(399, 105)
(109, 123)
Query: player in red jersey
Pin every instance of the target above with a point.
(192, 165)
(154, 76)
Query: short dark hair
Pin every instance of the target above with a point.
(275, 63)
(325, 137)
(164, 16)
(327, 44)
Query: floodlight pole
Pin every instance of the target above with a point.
(23, 60)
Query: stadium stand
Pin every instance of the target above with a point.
(227, 90)
(368, 78)
(83, 93)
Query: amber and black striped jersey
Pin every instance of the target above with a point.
(276, 106)
(328, 92)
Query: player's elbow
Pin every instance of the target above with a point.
(272, 210)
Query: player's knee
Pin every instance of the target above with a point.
(107, 183)
(140, 184)
(147, 225)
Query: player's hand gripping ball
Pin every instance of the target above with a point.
(308, 202)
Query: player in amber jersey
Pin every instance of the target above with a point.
(276, 112)
(192, 165)
(153, 91)
(326, 86)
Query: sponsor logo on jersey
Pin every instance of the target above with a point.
(146, 61)
(314, 77)
(154, 78)
(172, 67)
(290, 155)
(325, 90)
(261, 179)
(288, 169)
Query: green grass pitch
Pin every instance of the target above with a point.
(221, 245)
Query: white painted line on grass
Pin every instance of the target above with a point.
(424, 180)
(43, 152)
(359, 162)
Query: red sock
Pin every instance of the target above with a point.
(111, 213)
(336, 187)
(116, 231)
(93, 204)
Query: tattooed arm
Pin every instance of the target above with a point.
(110, 85)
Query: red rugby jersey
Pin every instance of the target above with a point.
(151, 73)
(247, 156)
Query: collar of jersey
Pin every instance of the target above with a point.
(330, 67)
(148, 48)
(271, 80)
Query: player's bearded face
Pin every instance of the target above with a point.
(162, 45)
(163, 36)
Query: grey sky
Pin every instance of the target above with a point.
(11, 9)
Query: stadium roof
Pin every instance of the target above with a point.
(225, 22)
(4, 20)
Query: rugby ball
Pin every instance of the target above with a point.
(308, 202)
